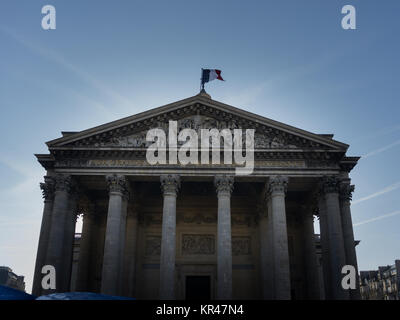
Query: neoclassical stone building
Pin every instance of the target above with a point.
(197, 231)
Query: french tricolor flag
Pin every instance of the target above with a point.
(209, 75)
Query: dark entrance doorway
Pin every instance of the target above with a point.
(198, 287)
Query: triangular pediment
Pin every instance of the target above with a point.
(197, 112)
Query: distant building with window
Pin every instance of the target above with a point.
(381, 284)
(10, 279)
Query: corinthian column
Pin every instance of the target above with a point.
(280, 253)
(97, 241)
(169, 185)
(337, 256)
(224, 186)
(324, 236)
(55, 249)
(48, 196)
(346, 191)
(115, 233)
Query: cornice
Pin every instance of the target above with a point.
(312, 156)
(348, 163)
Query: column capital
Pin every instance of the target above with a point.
(117, 183)
(223, 184)
(277, 184)
(48, 188)
(63, 182)
(170, 184)
(346, 190)
(329, 184)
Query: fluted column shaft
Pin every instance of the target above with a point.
(324, 237)
(265, 232)
(337, 256)
(169, 185)
(281, 266)
(113, 245)
(130, 253)
(224, 186)
(346, 191)
(48, 195)
(122, 242)
(55, 250)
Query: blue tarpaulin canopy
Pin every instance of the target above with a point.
(7, 293)
(81, 296)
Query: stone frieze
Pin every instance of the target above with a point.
(153, 246)
(241, 246)
(198, 244)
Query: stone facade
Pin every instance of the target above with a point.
(148, 228)
(381, 284)
(10, 279)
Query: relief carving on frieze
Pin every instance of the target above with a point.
(137, 140)
(241, 246)
(263, 139)
(150, 219)
(247, 220)
(198, 244)
(153, 246)
(242, 220)
(322, 163)
(198, 218)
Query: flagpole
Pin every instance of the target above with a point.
(201, 81)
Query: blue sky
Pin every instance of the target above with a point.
(287, 60)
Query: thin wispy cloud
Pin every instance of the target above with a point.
(17, 223)
(378, 193)
(14, 249)
(60, 60)
(281, 79)
(16, 166)
(380, 150)
(101, 111)
(395, 213)
(26, 170)
(378, 134)
(28, 186)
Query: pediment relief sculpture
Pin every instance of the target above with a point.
(263, 140)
